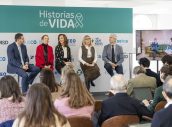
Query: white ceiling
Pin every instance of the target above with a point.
(139, 6)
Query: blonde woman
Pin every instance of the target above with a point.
(88, 59)
(76, 99)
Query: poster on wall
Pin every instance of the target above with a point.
(75, 22)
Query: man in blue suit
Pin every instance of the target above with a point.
(113, 56)
(163, 117)
(18, 62)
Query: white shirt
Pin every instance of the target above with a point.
(65, 51)
(19, 48)
(89, 54)
(168, 103)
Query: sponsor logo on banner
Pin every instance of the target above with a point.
(4, 42)
(32, 57)
(3, 74)
(72, 42)
(63, 19)
(2, 58)
(122, 41)
(32, 42)
(98, 41)
(79, 72)
(99, 56)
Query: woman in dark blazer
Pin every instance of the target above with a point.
(44, 54)
(62, 53)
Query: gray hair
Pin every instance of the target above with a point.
(138, 70)
(113, 35)
(118, 83)
(167, 86)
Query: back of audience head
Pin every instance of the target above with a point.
(144, 62)
(10, 88)
(165, 71)
(167, 88)
(47, 77)
(118, 83)
(167, 59)
(65, 70)
(39, 109)
(138, 70)
(78, 95)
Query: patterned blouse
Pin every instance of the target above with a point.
(9, 110)
(59, 57)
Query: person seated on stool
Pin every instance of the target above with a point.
(113, 56)
(18, 62)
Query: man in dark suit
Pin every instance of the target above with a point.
(163, 117)
(18, 62)
(121, 103)
(145, 63)
(113, 56)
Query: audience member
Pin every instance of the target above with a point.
(145, 63)
(47, 77)
(140, 80)
(39, 110)
(121, 103)
(163, 117)
(165, 71)
(11, 102)
(76, 99)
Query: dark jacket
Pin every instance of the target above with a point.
(14, 60)
(162, 118)
(59, 60)
(122, 104)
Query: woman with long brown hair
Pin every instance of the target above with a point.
(76, 99)
(47, 77)
(11, 101)
(39, 110)
(62, 53)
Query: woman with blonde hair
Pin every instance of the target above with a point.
(88, 59)
(76, 99)
(39, 110)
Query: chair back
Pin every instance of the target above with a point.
(142, 93)
(160, 105)
(121, 121)
(80, 121)
(97, 105)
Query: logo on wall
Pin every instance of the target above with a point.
(3, 74)
(72, 42)
(32, 42)
(122, 41)
(79, 72)
(62, 20)
(99, 56)
(31, 57)
(4, 42)
(97, 41)
(2, 59)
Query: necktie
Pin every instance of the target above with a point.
(113, 54)
(21, 57)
